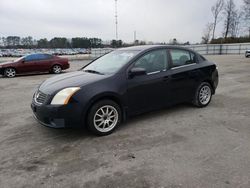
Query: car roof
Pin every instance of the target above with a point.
(151, 47)
(39, 54)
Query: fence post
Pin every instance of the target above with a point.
(239, 49)
(220, 52)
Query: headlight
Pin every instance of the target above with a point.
(63, 96)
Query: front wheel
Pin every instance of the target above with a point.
(56, 69)
(203, 95)
(104, 117)
(10, 72)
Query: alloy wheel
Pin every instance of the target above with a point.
(106, 118)
(205, 95)
(10, 72)
(57, 69)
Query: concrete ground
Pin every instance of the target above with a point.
(178, 147)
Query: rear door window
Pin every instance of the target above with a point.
(47, 56)
(42, 57)
(37, 57)
(181, 57)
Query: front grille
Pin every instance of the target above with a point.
(40, 97)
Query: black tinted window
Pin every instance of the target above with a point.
(37, 57)
(43, 56)
(153, 61)
(181, 57)
(47, 56)
(32, 57)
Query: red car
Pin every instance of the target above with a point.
(34, 63)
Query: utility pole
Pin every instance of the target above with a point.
(134, 36)
(116, 21)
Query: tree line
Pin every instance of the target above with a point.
(235, 23)
(56, 42)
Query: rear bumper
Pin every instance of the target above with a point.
(62, 116)
(215, 79)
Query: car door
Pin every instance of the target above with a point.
(28, 64)
(184, 74)
(44, 62)
(149, 91)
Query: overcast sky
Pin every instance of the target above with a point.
(153, 20)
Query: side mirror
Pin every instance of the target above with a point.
(136, 71)
(23, 60)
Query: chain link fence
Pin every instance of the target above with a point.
(97, 52)
(204, 49)
(220, 49)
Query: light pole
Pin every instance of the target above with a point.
(134, 36)
(116, 21)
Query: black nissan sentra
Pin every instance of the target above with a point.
(123, 83)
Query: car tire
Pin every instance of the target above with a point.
(10, 72)
(203, 95)
(56, 69)
(103, 117)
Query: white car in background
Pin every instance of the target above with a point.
(247, 54)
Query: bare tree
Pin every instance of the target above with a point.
(216, 10)
(207, 33)
(229, 12)
(246, 9)
(246, 13)
(4, 40)
(236, 22)
(173, 41)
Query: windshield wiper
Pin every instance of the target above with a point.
(93, 71)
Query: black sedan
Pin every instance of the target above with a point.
(124, 83)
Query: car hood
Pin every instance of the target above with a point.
(7, 63)
(73, 79)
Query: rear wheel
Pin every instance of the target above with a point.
(56, 69)
(104, 117)
(203, 95)
(10, 72)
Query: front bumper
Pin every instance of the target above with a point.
(57, 116)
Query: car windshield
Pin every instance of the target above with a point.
(111, 62)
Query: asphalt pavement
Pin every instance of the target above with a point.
(178, 147)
